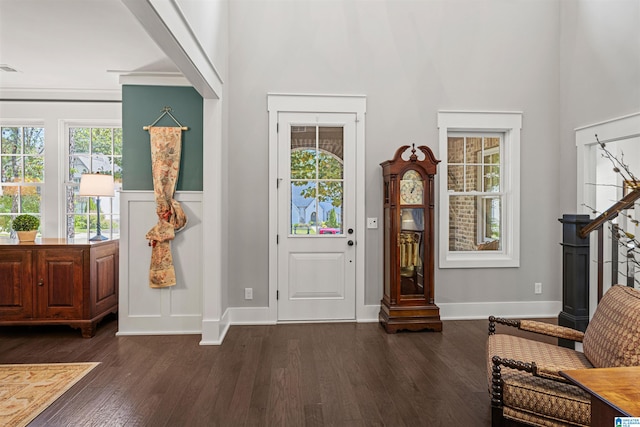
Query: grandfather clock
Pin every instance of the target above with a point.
(408, 301)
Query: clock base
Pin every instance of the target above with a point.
(411, 318)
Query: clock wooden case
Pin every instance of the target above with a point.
(408, 298)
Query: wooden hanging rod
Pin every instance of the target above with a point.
(165, 111)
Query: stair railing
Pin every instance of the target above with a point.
(597, 224)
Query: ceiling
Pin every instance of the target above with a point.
(73, 46)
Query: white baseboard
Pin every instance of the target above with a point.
(263, 316)
(132, 333)
(482, 310)
(369, 314)
(251, 316)
(448, 311)
(214, 331)
(159, 325)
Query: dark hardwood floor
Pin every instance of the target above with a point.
(338, 374)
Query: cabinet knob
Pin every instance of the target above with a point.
(41, 282)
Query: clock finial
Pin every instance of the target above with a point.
(413, 156)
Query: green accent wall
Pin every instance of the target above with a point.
(141, 106)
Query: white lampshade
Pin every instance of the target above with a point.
(96, 184)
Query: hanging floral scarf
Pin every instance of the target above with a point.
(165, 157)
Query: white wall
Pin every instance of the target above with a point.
(410, 59)
(209, 23)
(600, 74)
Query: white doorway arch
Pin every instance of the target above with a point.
(598, 185)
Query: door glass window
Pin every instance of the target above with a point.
(317, 180)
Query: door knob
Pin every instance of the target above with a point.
(350, 231)
(350, 243)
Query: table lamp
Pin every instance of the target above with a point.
(97, 185)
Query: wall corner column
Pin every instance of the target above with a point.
(214, 322)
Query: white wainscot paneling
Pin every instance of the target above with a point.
(174, 310)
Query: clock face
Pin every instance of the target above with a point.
(411, 189)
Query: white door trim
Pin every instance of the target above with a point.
(620, 128)
(307, 103)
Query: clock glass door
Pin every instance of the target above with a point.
(411, 239)
(411, 243)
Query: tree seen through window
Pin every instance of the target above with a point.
(22, 173)
(317, 184)
(93, 150)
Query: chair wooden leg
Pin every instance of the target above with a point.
(497, 414)
(497, 419)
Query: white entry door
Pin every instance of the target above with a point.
(316, 216)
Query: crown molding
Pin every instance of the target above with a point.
(146, 78)
(60, 95)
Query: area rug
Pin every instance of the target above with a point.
(27, 390)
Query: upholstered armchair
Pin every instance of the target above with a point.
(524, 375)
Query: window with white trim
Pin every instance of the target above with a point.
(21, 174)
(92, 150)
(479, 189)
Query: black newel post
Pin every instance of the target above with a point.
(575, 276)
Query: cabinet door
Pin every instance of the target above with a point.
(59, 279)
(104, 278)
(16, 284)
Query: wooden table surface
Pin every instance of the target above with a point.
(619, 387)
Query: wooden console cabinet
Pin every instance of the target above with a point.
(54, 281)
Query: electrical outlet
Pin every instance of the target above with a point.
(248, 293)
(537, 288)
(372, 222)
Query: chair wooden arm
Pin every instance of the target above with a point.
(537, 327)
(508, 322)
(552, 372)
(552, 330)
